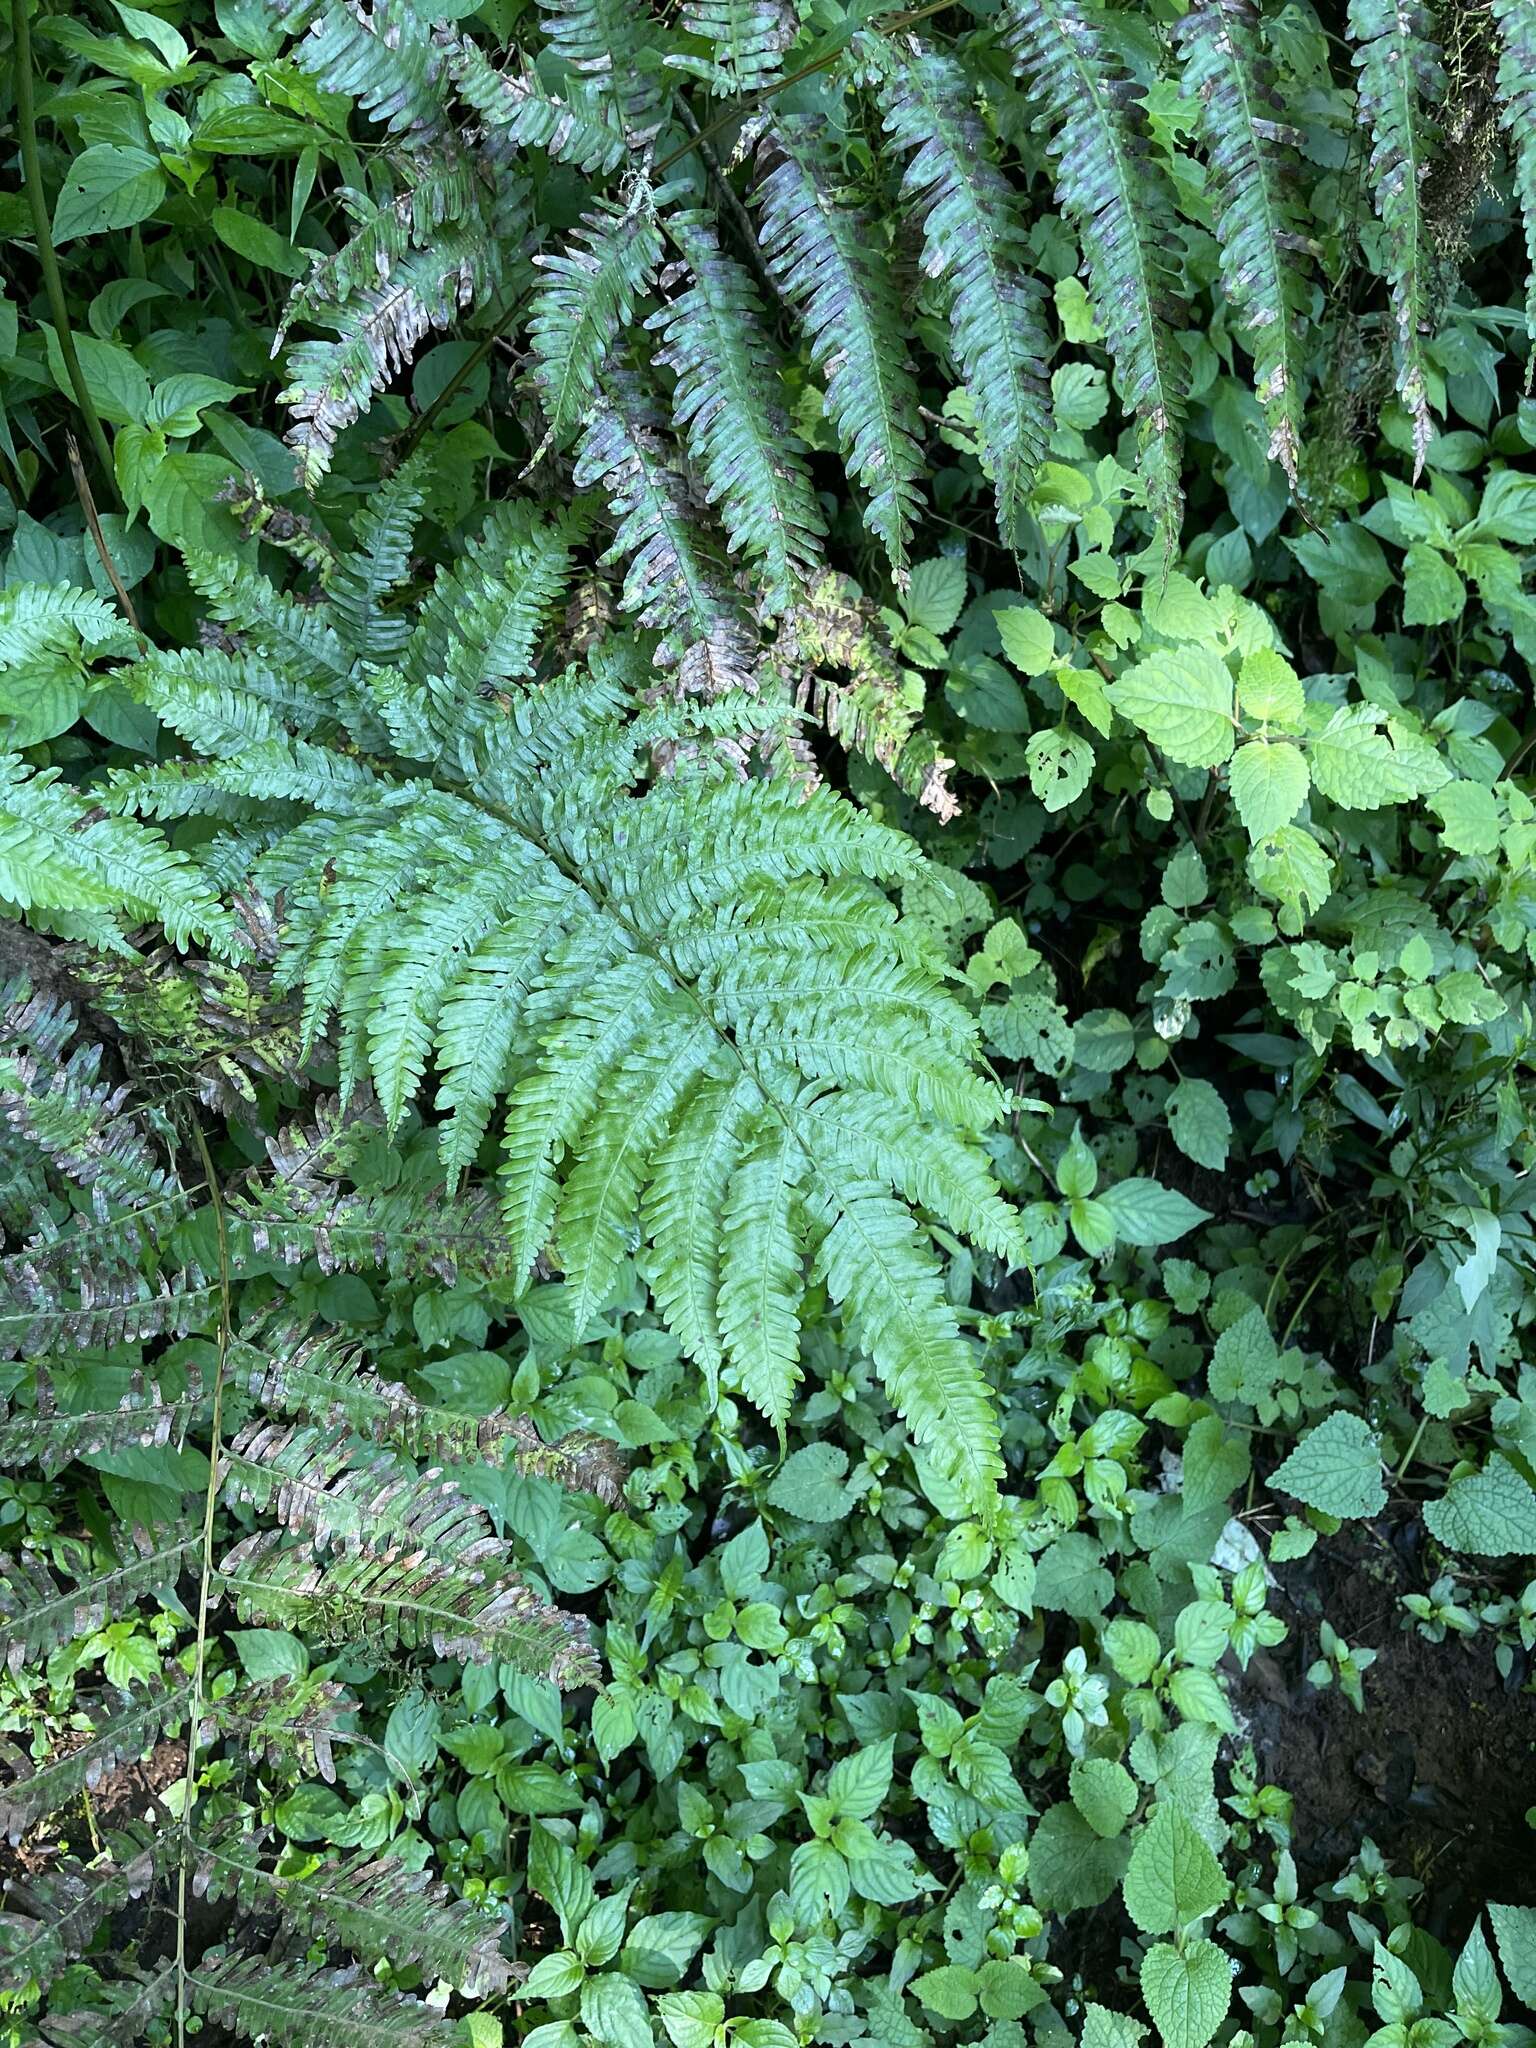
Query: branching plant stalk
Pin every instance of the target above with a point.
(42, 230)
(205, 1574)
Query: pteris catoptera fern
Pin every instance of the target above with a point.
(684, 995)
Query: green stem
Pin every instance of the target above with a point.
(205, 1575)
(47, 256)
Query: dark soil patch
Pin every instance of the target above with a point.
(1439, 1769)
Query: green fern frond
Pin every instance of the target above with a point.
(37, 1612)
(1397, 56)
(36, 1790)
(467, 1608)
(299, 638)
(84, 874)
(297, 2005)
(586, 299)
(974, 250)
(1259, 231)
(824, 255)
(481, 624)
(373, 1905)
(747, 39)
(42, 625)
(378, 562)
(1110, 187)
(49, 1919)
(380, 53)
(1517, 102)
(519, 112)
(606, 44)
(879, 1268)
(673, 584)
(762, 1286)
(727, 409)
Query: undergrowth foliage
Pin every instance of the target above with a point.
(765, 1031)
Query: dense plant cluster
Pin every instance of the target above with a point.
(767, 951)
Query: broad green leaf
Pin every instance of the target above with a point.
(1514, 1929)
(1187, 1994)
(1182, 699)
(1104, 1793)
(1336, 1467)
(1029, 641)
(107, 187)
(1433, 594)
(1200, 1122)
(1144, 1212)
(1269, 783)
(1173, 1879)
(1491, 1513)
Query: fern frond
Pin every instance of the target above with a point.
(402, 1602)
(1112, 190)
(276, 2000)
(879, 1268)
(586, 299)
(49, 1437)
(373, 1905)
(1517, 115)
(824, 255)
(748, 39)
(36, 1790)
(519, 112)
(130, 2006)
(1397, 56)
(444, 191)
(1259, 229)
(481, 623)
(41, 621)
(974, 249)
(83, 873)
(294, 1724)
(869, 704)
(324, 1378)
(332, 383)
(83, 1127)
(114, 1304)
(760, 1289)
(726, 407)
(672, 584)
(308, 1480)
(49, 1919)
(605, 43)
(378, 562)
(381, 53)
(299, 639)
(38, 1613)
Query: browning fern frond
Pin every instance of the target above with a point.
(824, 255)
(1400, 80)
(1259, 233)
(974, 250)
(372, 1905)
(1112, 190)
